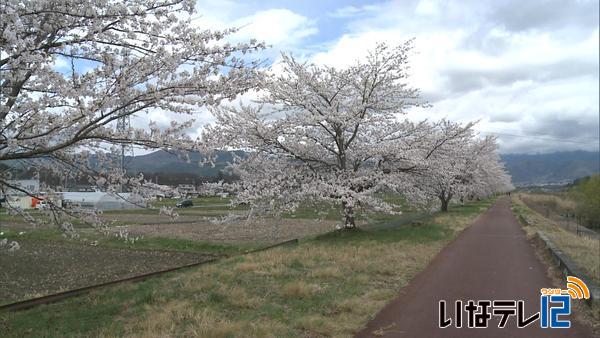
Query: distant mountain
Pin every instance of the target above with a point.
(165, 162)
(525, 169)
(556, 167)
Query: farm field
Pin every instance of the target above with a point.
(327, 285)
(48, 263)
(42, 267)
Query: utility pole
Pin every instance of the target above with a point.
(124, 128)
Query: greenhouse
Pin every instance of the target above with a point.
(103, 200)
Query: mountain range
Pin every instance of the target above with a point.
(525, 169)
(558, 167)
(170, 163)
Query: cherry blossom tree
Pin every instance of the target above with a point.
(324, 135)
(70, 70)
(463, 168)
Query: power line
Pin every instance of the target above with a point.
(553, 139)
(513, 131)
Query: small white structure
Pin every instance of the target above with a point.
(17, 198)
(102, 200)
(187, 190)
(19, 201)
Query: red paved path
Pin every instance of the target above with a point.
(491, 260)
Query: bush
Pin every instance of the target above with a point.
(587, 196)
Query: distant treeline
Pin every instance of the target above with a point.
(72, 181)
(173, 179)
(586, 194)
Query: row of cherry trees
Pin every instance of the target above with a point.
(71, 70)
(468, 168)
(339, 136)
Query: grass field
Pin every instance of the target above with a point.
(328, 285)
(205, 207)
(40, 268)
(48, 263)
(548, 204)
(583, 250)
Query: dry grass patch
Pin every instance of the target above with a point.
(161, 323)
(246, 266)
(210, 324)
(557, 203)
(329, 272)
(583, 250)
(238, 297)
(298, 290)
(350, 305)
(316, 325)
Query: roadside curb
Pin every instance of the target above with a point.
(566, 265)
(569, 268)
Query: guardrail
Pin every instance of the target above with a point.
(569, 268)
(566, 265)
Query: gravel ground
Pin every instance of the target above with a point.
(45, 267)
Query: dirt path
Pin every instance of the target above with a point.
(491, 260)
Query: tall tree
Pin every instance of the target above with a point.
(586, 195)
(463, 168)
(323, 134)
(70, 70)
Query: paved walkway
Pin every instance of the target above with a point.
(491, 260)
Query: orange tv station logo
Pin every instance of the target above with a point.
(576, 288)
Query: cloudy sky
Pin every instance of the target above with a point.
(527, 70)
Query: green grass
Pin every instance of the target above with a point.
(162, 243)
(330, 285)
(145, 243)
(333, 212)
(4, 217)
(216, 206)
(101, 314)
(39, 234)
(416, 234)
(170, 202)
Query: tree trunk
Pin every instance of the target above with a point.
(444, 204)
(445, 199)
(349, 221)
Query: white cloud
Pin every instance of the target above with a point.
(428, 8)
(528, 72)
(353, 11)
(278, 27)
(539, 82)
(282, 28)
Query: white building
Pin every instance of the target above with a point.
(102, 200)
(17, 198)
(19, 201)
